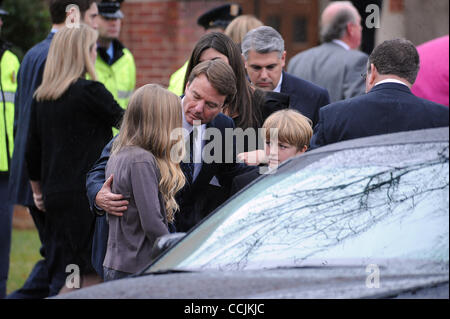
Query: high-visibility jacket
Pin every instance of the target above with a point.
(9, 66)
(119, 75)
(176, 81)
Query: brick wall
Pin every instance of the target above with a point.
(161, 35)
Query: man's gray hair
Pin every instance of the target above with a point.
(337, 27)
(263, 40)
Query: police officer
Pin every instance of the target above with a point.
(9, 65)
(115, 65)
(214, 20)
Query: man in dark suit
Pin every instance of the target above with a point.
(337, 63)
(265, 58)
(28, 80)
(388, 107)
(211, 85)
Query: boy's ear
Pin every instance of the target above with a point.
(302, 150)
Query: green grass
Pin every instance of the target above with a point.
(25, 246)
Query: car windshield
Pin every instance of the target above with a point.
(353, 205)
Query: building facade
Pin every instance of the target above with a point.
(162, 33)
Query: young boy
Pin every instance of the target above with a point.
(294, 133)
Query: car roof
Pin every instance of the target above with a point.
(419, 136)
(440, 134)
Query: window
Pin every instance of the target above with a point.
(346, 207)
(300, 31)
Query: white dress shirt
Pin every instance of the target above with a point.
(391, 81)
(278, 88)
(342, 44)
(199, 143)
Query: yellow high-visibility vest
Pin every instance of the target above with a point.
(9, 66)
(177, 80)
(118, 78)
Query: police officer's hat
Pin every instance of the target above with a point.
(219, 17)
(110, 9)
(2, 11)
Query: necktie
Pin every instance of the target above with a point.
(188, 168)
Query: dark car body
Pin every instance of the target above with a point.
(364, 218)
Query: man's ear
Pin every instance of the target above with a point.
(245, 61)
(349, 29)
(373, 74)
(283, 59)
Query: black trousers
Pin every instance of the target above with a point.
(37, 284)
(68, 231)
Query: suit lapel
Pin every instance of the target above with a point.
(286, 88)
(284, 84)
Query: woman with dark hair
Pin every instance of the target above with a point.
(243, 109)
(248, 109)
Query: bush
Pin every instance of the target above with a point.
(27, 23)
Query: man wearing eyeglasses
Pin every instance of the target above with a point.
(388, 105)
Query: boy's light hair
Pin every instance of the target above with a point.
(293, 128)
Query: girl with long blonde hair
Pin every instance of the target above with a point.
(144, 161)
(71, 121)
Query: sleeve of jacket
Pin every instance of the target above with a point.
(96, 176)
(24, 90)
(318, 138)
(324, 99)
(17, 102)
(144, 181)
(102, 103)
(228, 171)
(33, 151)
(354, 84)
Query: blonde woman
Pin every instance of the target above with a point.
(239, 27)
(71, 120)
(145, 164)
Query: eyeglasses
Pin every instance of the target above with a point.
(364, 76)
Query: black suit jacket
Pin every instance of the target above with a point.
(28, 79)
(305, 97)
(239, 182)
(387, 108)
(199, 199)
(67, 135)
(195, 201)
